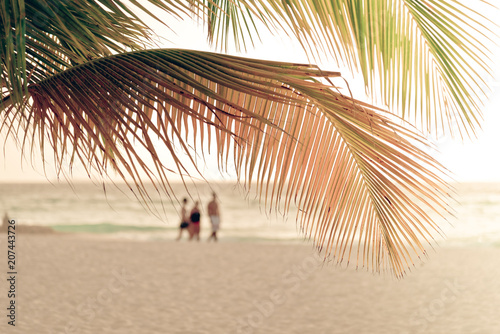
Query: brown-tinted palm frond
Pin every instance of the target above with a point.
(356, 177)
(428, 61)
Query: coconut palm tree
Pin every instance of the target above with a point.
(85, 78)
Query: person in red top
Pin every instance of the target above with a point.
(194, 224)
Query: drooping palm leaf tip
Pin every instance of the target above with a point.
(85, 85)
(428, 61)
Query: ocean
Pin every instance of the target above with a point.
(116, 213)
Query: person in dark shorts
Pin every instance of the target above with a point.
(184, 219)
(194, 225)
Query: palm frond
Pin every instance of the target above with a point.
(227, 23)
(356, 177)
(44, 37)
(12, 49)
(428, 61)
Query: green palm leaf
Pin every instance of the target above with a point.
(364, 192)
(43, 37)
(428, 61)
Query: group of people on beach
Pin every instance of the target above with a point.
(191, 221)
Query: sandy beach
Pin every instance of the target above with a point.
(82, 284)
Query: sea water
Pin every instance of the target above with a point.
(116, 212)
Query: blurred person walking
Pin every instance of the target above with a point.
(214, 214)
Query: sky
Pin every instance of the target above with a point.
(476, 160)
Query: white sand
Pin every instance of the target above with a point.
(75, 284)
